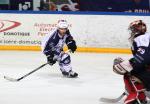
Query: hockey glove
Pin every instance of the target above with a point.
(72, 45)
(50, 60)
(122, 66)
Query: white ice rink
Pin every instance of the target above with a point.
(47, 85)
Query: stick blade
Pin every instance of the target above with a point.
(147, 94)
(108, 100)
(10, 79)
(115, 100)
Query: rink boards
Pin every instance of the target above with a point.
(93, 31)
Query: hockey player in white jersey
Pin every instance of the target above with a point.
(52, 47)
(136, 71)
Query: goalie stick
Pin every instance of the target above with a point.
(18, 79)
(147, 94)
(115, 100)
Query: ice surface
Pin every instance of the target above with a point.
(47, 85)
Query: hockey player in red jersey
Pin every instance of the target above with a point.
(136, 71)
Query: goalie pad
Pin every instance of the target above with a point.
(135, 91)
(121, 66)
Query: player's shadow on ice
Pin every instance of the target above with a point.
(58, 78)
(49, 75)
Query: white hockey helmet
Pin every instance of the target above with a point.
(62, 24)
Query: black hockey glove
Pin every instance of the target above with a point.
(50, 60)
(72, 45)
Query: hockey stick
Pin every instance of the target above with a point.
(147, 94)
(115, 100)
(15, 80)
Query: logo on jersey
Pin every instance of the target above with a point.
(8, 25)
(142, 51)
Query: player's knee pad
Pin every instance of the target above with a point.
(65, 59)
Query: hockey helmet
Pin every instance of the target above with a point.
(137, 27)
(62, 24)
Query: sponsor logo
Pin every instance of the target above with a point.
(16, 34)
(142, 51)
(8, 25)
(43, 29)
(25, 6)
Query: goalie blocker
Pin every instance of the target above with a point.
(121, 66)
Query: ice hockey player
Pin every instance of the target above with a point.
(136, 71)
(52, 47)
